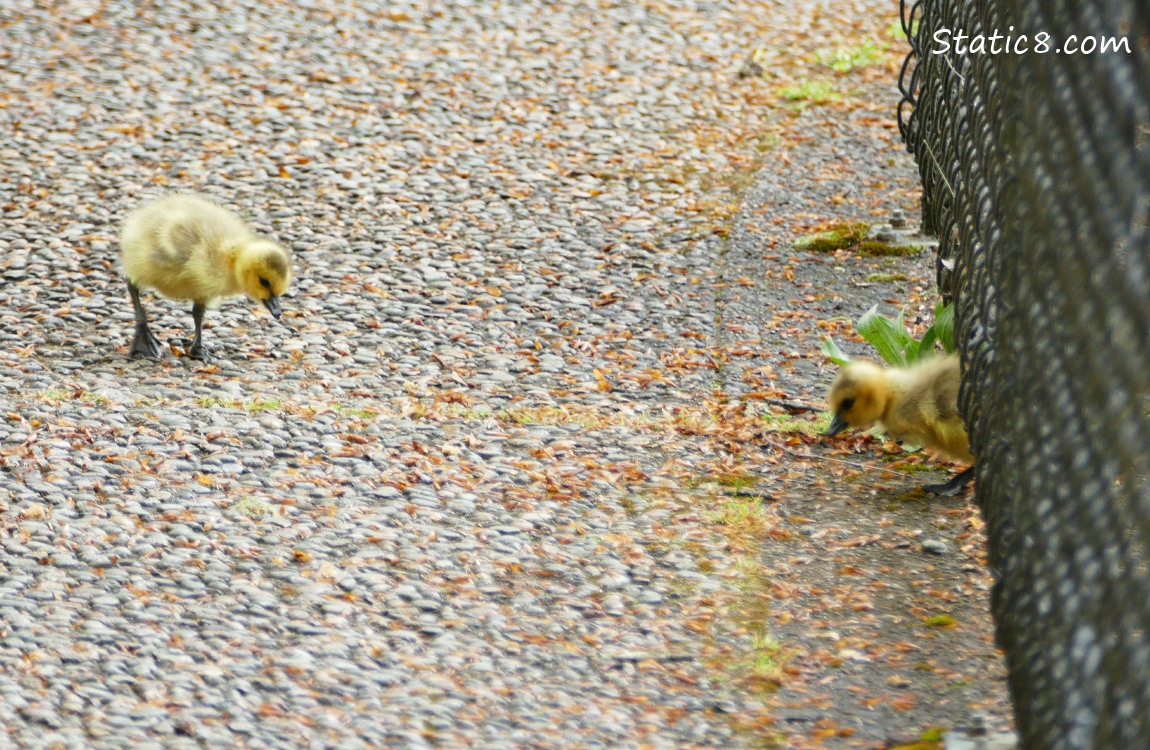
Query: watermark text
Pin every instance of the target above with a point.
(996, 43)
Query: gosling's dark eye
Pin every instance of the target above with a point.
(265, 283)
(847, 404)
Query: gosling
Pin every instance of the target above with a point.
(917, 404)
(187, 247)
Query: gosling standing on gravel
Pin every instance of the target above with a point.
(917, 404)
(187, 247)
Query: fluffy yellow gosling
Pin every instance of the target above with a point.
(917, 404)
(187, 247)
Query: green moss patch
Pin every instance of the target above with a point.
(885, 278)
(880, 249)
(940, 621)
(837, 237)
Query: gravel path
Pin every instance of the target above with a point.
(451, 499)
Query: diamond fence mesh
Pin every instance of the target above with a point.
(1036, 177)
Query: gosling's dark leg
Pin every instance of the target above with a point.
(144, 344)
(954, 486)
(197, 350)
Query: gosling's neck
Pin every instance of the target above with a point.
(230, 252)
(898, 383)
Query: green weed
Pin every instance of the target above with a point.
(846, 59)
(894, 342)
(252, 506)
(812, 92)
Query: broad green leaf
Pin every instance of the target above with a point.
(889, 337)
(833, 353)
(943, 326)
(911, 352)
(925, 348)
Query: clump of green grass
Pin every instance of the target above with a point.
(257, 405)
(812, 92)
(59, 396)
(740, 512)
(739, 481)
(470, 412)
(933, 734)
(846, 59)
(885, 278)
(535, 415)
(791, 425)
(252, 506)
(736, 481)
(940, 621)
(768, 142)
(552, 415)
(837, 237)
(52, 395)
(766, 663)
(897, 32)
(355, 412)
(252, 405)
(761, 668)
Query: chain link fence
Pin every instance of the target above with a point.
(1036, 176)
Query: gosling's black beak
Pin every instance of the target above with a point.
(272, 303)
(838, 424)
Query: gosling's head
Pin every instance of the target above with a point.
(858, 396)
(264, 270)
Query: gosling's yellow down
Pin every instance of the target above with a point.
(917, 404)
(187, 247)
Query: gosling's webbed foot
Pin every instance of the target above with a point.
(953, 486)
(144, 344)
(198, 351)
(194, 349)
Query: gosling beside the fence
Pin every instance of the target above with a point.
(917, 404)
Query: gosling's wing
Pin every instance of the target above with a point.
(926, 409)
(142, 244)
(945, 390)
(921, 395)
(169, 234)
(174, 237)
(949, 430)
(953, 441)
